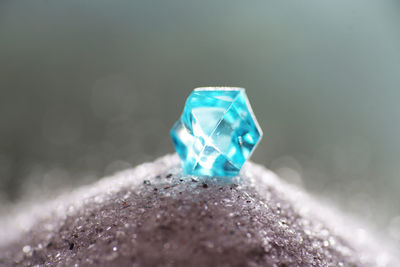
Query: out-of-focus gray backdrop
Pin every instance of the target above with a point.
(90, 87)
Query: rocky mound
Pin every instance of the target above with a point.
(155, 216)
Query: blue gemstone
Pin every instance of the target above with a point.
(216, 133)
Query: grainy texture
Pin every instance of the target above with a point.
(155, 216)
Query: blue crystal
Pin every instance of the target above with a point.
(217, 132)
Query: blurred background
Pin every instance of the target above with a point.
(88, 88)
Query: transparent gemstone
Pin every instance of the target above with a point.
(216, 133)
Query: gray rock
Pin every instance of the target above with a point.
(155, 216)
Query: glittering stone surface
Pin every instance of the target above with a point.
(217, 131)
(155, 216)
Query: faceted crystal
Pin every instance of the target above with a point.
(217, 132)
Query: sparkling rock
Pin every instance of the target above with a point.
(217, 132)
(254, 220)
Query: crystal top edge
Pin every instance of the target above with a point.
(219, 88)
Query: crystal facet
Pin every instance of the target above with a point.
(217, 132)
